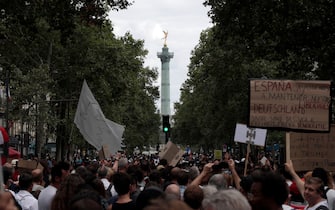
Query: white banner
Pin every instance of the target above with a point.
(95, 128)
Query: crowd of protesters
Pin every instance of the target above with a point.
(149, 183)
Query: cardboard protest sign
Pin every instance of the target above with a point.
(29, 164)
(256, 136)
(310, 150)
(104, 153)
(290, 105)
(171, 153)
(217, 154)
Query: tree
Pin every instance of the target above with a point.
(262, 39)
(50, 47)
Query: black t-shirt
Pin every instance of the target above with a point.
(124, 206)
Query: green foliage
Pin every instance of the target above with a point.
(250, 39)
(50, 47)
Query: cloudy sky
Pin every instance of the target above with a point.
(183, 19)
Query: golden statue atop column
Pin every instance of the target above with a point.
(165, 37)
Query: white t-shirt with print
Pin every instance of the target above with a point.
(322, 203)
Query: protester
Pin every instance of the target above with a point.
(204, 175)
(148, 195)
(68, 188)
(37, 182)
(8, 202)
(123, 165)
(230, 199)
(58, 173)
(269, 190)
(9, 184)
(209, 190)
(86, 199)
(86, 187)
(320, 173)
(102, 175)
(327, 180)
(314, 194)
(174, 174)
(172, 191)
(122, 184)
(182, 182)
(162, 204)
(155, 179)
(219, 181)
(135, 190)
(24, 197)
(193, 197)
(193, 172)
(235, 176)
(245, 186)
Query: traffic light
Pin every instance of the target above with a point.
(166, 123)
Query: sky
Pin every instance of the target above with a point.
(147, 19)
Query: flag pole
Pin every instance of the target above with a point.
(251, 133)
(246, 159)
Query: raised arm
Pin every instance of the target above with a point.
(205, 172)
(116, 162)
(300, 184)
(236, 177)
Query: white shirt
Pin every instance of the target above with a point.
(37, 187)
(46, 196)
(105, 182)
(106, 185)
(26, 200)
(286, 207)
(322, 203)
(331, 199)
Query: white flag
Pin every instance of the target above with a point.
(115, 142)
(91, 121)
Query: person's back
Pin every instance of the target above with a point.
(24, 197)
(269, 190)
(102, 175)
(86, 199)
(122, 182)
(147, 196)
(37, 182)
(193, 196)
(67, 190)
(58, 174)
(46, 196)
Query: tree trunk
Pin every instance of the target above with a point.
(41, 119)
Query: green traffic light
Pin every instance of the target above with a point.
(166, 129)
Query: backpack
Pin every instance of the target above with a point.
(108, 192)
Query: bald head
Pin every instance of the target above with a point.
(37, 175)
(174, 174)
(173, 191)
(36, 172)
